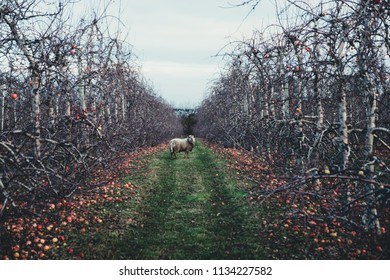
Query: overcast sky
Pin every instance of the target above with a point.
(176, 40)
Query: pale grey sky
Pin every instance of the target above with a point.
(175, 40)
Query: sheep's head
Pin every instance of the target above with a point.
(191, 139)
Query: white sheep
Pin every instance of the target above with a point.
(178, 145)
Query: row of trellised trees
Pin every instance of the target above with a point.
(315, 94)
(72, 101)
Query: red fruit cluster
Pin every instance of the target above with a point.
(73, 49)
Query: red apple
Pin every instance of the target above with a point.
(14, 96)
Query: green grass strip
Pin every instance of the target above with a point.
(192, 209)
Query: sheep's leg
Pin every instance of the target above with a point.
(172, 149)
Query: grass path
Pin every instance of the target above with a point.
(192, 209)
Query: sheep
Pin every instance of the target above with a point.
(178, 145)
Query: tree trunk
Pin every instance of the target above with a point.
(2, 104)
(51, 101)
(272, 101)
(370, 218)
(68, 112)
(123, 102)
(299, 114)
(343, 129)
(107, 112)
(116, 105)
(37, 116)
(82, 104)
(286, 98)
